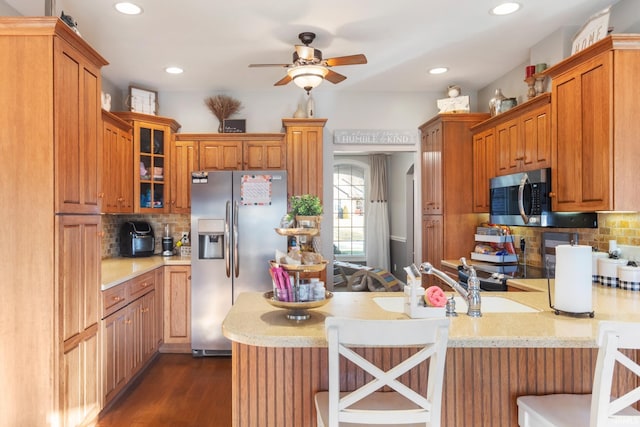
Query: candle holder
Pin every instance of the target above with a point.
(539, 84)
(531, 81)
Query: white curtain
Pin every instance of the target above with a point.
(378, 214)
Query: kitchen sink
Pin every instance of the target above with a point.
(490, 304)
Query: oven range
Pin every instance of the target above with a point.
(494, 277)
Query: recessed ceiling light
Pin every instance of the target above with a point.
(174, 70)
(438, 70)
(128, 8)
(505, 8)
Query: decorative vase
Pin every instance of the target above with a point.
(494, 103)
(311, 107)
(300, 113)
(221, 127)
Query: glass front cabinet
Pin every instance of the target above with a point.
(152, 136)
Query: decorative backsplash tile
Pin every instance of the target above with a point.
(111, 227)
(622, 227)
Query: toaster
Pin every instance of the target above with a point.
(136, 239)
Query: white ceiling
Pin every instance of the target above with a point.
(215, 40)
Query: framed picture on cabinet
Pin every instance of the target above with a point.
(234, 126)
(142, 100)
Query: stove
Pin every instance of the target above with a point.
(494, 277)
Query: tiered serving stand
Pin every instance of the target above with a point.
(298, 310)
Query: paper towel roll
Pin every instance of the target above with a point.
(573, 279)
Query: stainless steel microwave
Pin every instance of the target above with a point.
(522, 199)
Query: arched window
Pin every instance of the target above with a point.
(349, 201)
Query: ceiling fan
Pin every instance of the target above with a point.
(309, 69)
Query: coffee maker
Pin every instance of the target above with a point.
(167, 242)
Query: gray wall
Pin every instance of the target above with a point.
(6, 10)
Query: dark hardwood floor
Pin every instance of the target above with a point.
(177, 390)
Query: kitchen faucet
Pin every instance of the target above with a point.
(470, 296)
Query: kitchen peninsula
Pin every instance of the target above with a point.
(278, 364)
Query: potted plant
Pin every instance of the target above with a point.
(306, 209)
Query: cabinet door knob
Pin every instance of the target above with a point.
(552, 194)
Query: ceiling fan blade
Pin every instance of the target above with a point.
(270, 65)
(346, 60)
(334, 77)
(283, 81)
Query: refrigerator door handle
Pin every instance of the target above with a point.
(236, 258)
(227, 257)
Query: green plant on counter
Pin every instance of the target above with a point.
(305, 205)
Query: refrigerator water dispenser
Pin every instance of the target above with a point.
(210, 238)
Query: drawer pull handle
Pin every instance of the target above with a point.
(117, 299)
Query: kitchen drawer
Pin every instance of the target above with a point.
(113, 299)
(141, 285)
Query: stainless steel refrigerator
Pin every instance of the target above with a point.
(234, 215)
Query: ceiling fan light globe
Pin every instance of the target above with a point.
(307, 76)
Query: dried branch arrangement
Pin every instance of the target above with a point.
(223, 106)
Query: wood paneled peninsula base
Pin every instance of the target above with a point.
(279, 364)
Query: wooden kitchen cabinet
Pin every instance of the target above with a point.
(116, 364)
(508, 150)
(447, 187)
(220, 155)
(130, 330)
(51, 137)
(79, 308)
(432, 245)
(595, 126)
(304, 156)
(152, 140)
(431, 145)
(177, 309)
(159, 315)
(117, 161)
(523, 136)
(184, 160)
(536, 135)
(236, 151)
(260, 155)
(77, 127)
(484, 168)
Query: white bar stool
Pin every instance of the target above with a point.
(599, 408)
(367, 406)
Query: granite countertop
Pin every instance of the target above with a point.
(253, 321)
(118, 270)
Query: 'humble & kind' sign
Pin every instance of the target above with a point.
(387, 137)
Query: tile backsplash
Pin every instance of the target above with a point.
(111, 227)
(622, 227)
